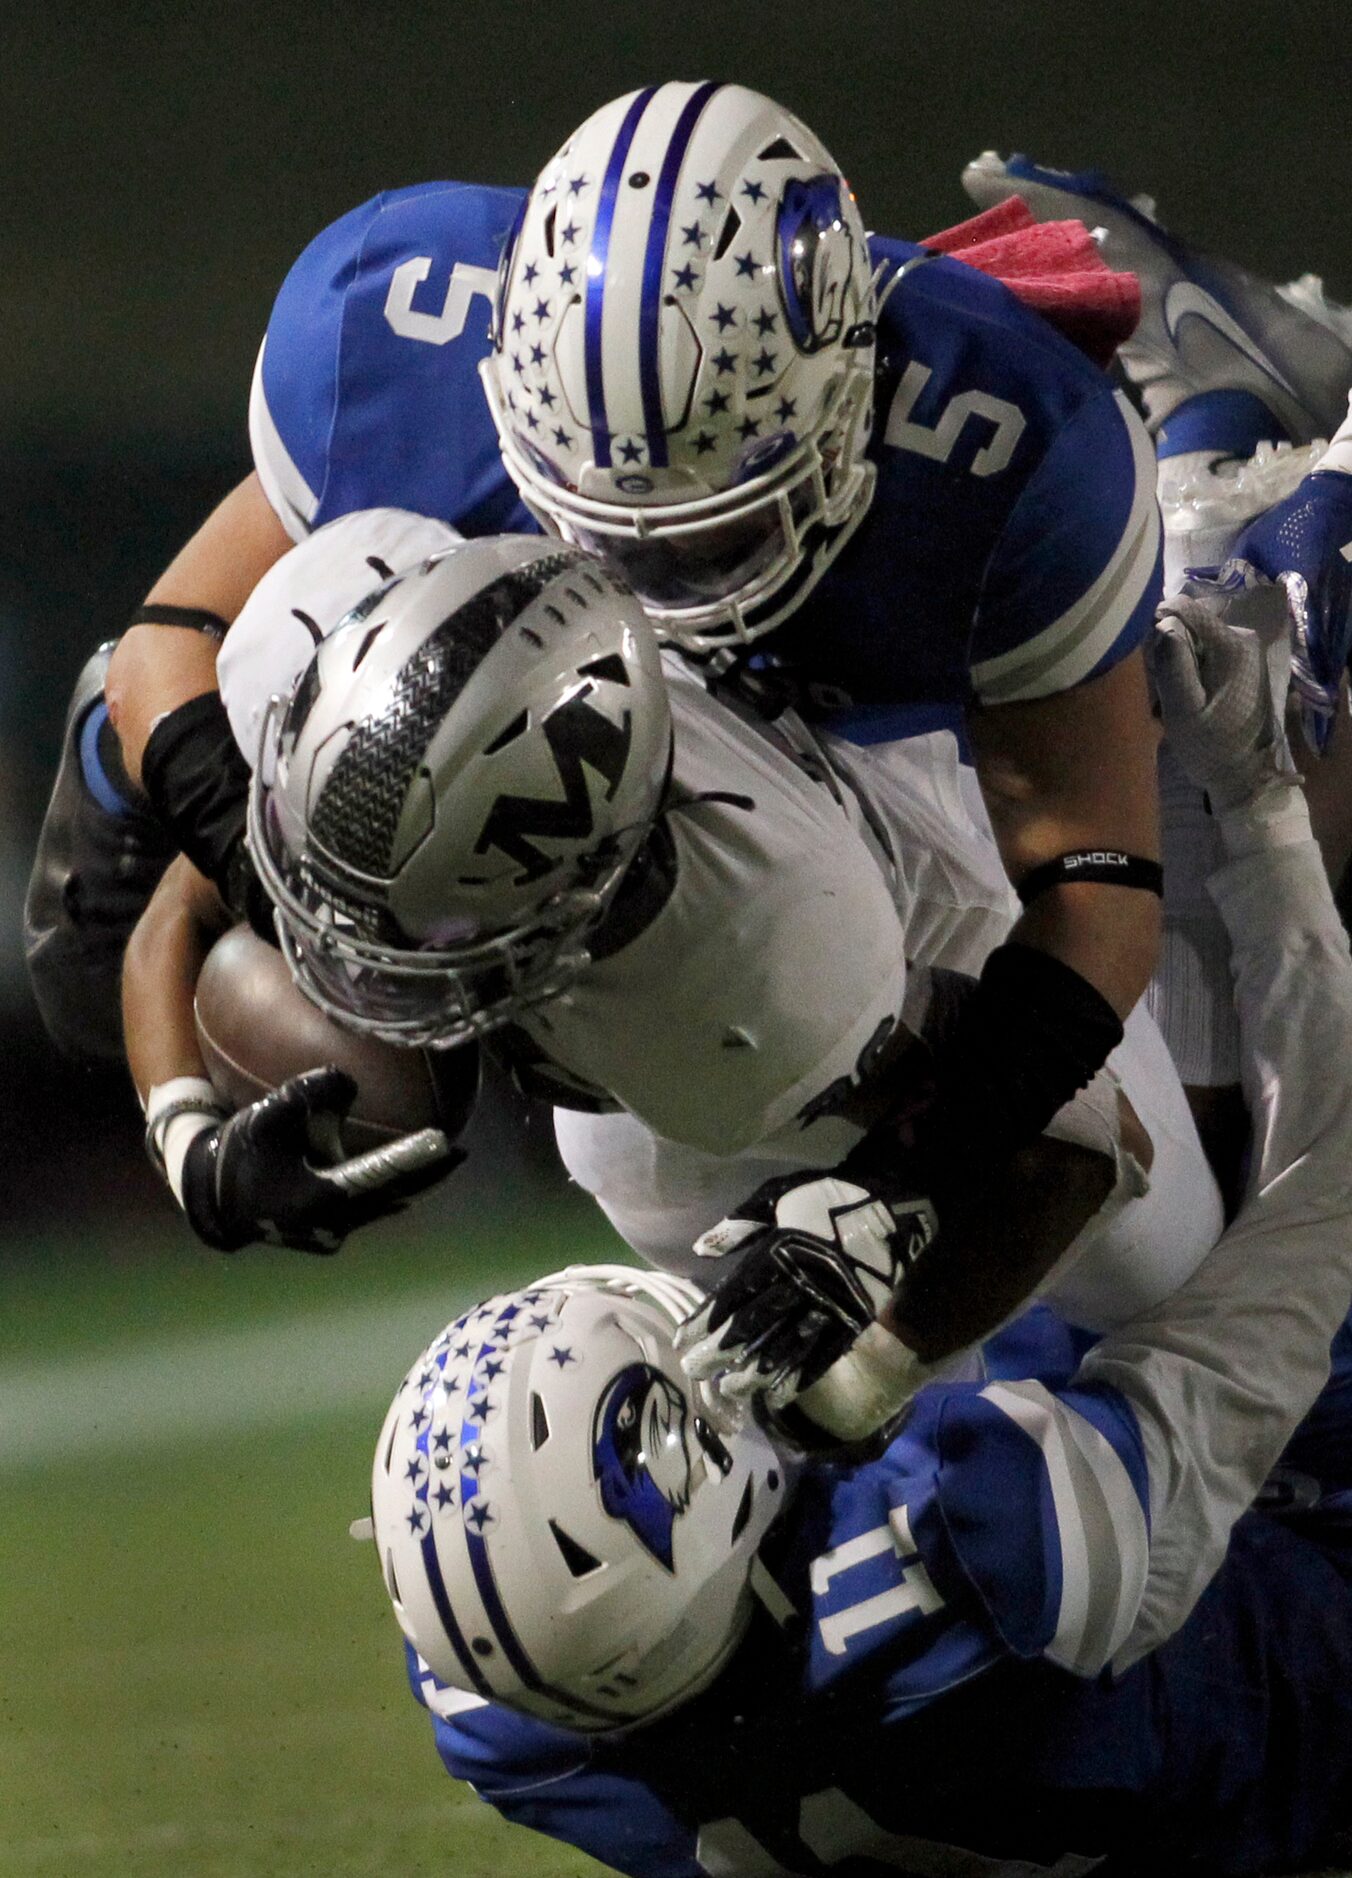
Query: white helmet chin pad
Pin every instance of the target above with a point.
(682, 373)
(561, 1525)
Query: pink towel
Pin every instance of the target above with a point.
(1053, 267)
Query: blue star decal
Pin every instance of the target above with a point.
(508, 1313)
(725, 317)
(492, 1369)
(754, 192)
(441, 1440)
(480, 1410)
(576, 184)
(542, 1323)
(537, 355)
(785, 409)
(716, 403)
(472, 1459)
(748, 428)
(570, 233)
(685, 277)
(542, 309)
(415, 1519)
(693, 235)
(529, 273)
(444, 1496)
(563, 1357)
(462, 1351)
(567, 274)
(517, 366)
(565, 442)
(427, 1378)
(480, 1515)
(547, 398)
(532, 420)
(765, 321)
(725, 361)
(704, 442)
(531, 1297)
(414, 1469)
(764, 361)
(707, 193)
(449, 1385)
(746, 266)
(631, 452)
(417, 1418)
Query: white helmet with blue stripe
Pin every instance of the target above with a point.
(682, 370)
(561, 1525)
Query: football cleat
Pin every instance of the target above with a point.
(1223, 359)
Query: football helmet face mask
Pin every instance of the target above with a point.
(682, 372)
(561, 1524)
(445, 806)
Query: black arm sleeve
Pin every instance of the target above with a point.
(198, 783)
(1030, 1035)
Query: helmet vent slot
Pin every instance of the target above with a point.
(383, 568)
(549, 232)
(732, 221)
(577, 1558)
(391, 1577)
(368, 641)
(781, 150)
(539, 1423)
(389, 1447)
(611, 668)
(743, 1512)
(510, 735)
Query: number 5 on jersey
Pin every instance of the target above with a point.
(435, 329)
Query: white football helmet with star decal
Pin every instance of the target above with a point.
(682, 372)
(561, 1525)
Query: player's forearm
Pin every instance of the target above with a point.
(155, 668)
(1222, 1372)
(163, 961)
(1070, 775)
(995, 1251)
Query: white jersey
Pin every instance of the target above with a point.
(734, 1026)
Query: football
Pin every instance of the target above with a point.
(256, 1028)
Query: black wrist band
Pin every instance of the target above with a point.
(197, 619)
(198, 783)
(1104, 866)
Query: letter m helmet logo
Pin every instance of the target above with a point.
(577, 734)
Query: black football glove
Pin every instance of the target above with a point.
(819, 1257)
(270, 1172)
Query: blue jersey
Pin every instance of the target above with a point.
(1012, 547)
(904, 1698)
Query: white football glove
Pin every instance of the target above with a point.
(1220, 659)
(819, 1258)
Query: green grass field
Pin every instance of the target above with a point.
(200, 1673)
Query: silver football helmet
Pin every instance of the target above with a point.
(682, 369)
(446, 804)
(562, 1525)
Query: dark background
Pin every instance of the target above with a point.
(164, 164)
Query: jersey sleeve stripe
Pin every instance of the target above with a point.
(291, 497)
(1101, 1527)
(1066, 651)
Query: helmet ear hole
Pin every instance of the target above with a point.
(732, 221)
(539, 1422)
